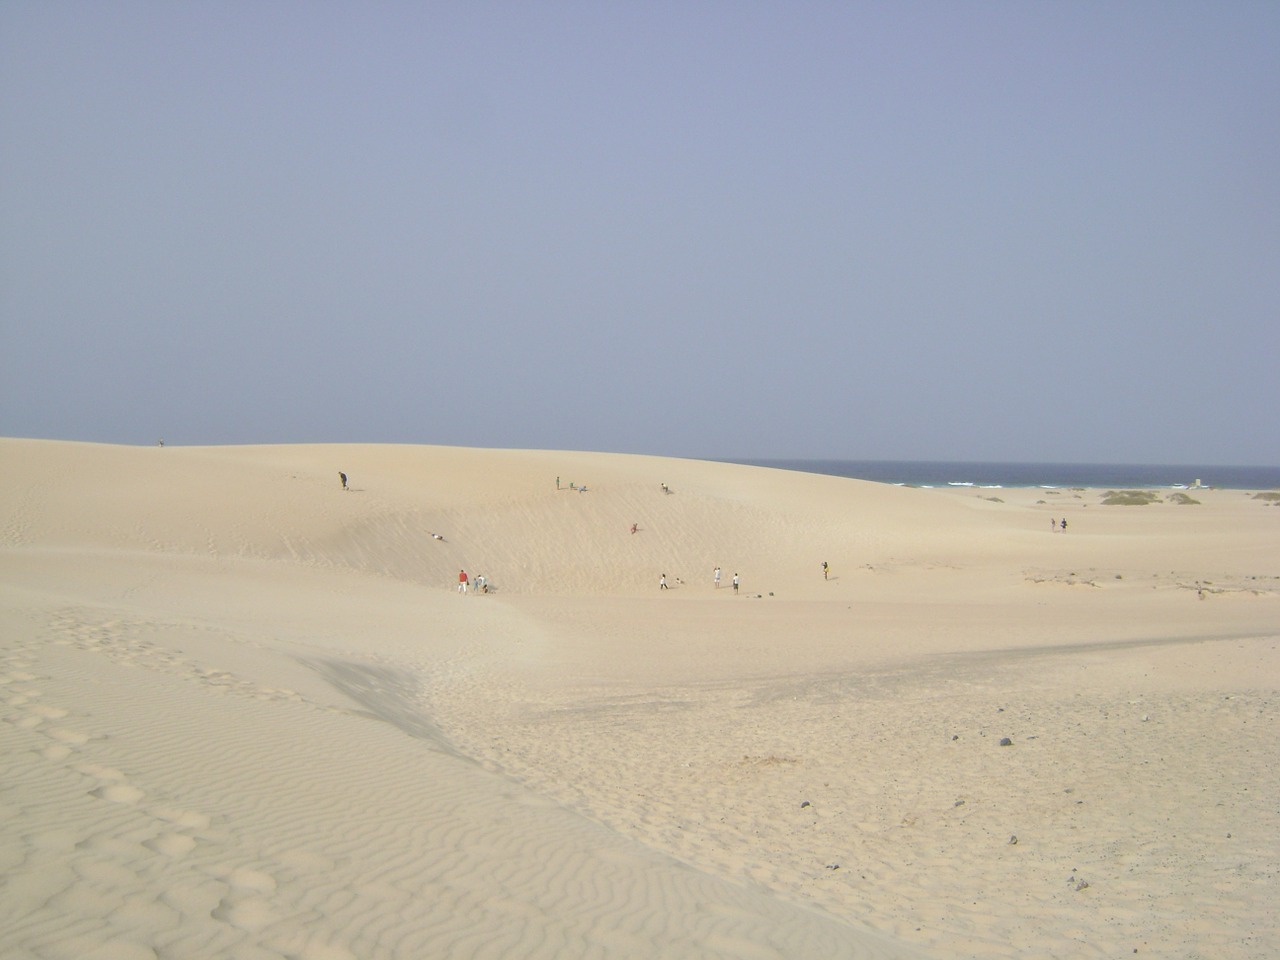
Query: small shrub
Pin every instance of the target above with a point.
(1129, 498)
(1182, 499)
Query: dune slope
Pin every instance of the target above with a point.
(248, 713)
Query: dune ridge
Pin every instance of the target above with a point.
(248, 714)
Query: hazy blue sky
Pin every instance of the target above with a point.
(1018, 231)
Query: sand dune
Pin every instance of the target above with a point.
(248, 714)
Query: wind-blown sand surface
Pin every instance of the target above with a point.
(247, 714)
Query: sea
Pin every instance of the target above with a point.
(1112, 476)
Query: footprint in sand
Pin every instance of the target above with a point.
(250, 914)
(37, 713)
(193, 896)
(249, 879)
(171, 844)
(118, 793)
(144, 912)
(63, 735)
(104, 873)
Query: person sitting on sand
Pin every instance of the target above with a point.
(635, 527)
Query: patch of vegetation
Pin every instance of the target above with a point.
(993, 499)
(1181, 499)
(1271, 495)
(1130, 498)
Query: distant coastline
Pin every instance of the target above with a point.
(943, 473)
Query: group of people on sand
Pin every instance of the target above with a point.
(715, 578)
(577, 487)
(1053, 524)
(479, 584)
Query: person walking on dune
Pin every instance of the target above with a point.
(717, 578)
(735, 583)
(825, 569)
(343, 477)
(662, 584)
(462, 581)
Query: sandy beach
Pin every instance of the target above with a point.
(249, 714)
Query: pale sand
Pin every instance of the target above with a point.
(248, 715)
